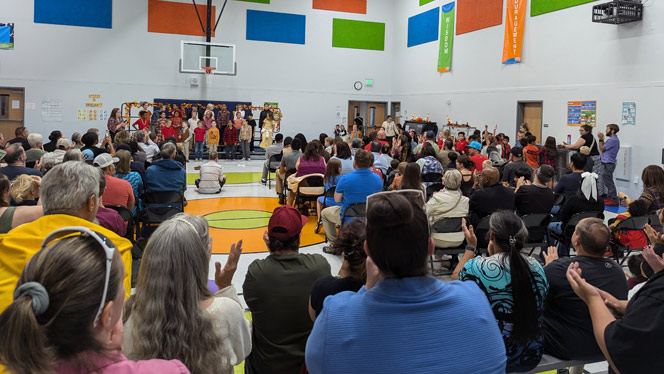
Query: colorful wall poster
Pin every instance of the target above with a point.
(7, 36)
(514, 21)
(629, 113)
(81, 114)
(446, 38)
(423, 27)
(581, 113)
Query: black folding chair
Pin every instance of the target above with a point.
(160, 206)
(329, 193)
(653, 220)
(626, 226)
(444, 226)
(566, 236)
(432, 189)
(273, 166)
(354, 211)
(536, 224)
(558, 199)
(310, 188)
(127, 217)
(432, 178)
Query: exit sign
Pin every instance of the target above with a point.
(368, 82)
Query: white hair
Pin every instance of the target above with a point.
(68, 187)
(35, 139)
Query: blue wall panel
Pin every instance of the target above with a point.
(276, 27)
(423, 28)
(90, 13)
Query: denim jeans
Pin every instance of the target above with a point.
(198, 150)
(609, 184)
(230, 152)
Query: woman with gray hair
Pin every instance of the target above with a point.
(76, 140)
(36, 150)
(173, 314)
(447, 203)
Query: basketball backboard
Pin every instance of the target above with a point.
(195, 56)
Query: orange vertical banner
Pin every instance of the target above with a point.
(514, 20)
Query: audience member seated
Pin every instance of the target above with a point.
(393, 324)
(343, 154)
(629, 334)
(118, 191)
(429, 164)
(24, 190)
(463, 165)
(585, 200)
(166, 174)
(53, 144)
(311, 162)
(123, 171)
(274, 149)
(288, 163)
(516, 162)
(15, 159)
(147, 145)
(73, 155)
(448, 203)
(21, 134)
(352, 188)
(330, 180)
(70, 197)
(90, 140)
(277, 290)
(173, 313)
(36, 150)
(13, 216)
(212, 176)
(106, 217)
(535, 197)
(380, 161)
(568, 330)
(492, 197)
(569, 183)
(56, 309)
(430, 138)
(398, 177)
(630, 238)
(653, 188)
(355, 145)
(412, 179)
(62, 146)
(515, 285)
(474, 149)
(352, 275)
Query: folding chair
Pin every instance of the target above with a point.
(626, 226)
(432, 178)
(653, 220)
(568, 229)
(310, 188)
(329, 193)
(160, 206)
(433, 189)
(128, 218)
(536, 224)
(482, 233)
(284, 190)
(354, 211)
(444, 226)
(271, 168)
(558, 199)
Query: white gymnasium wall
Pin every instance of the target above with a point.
(565, 57)
(127, 63)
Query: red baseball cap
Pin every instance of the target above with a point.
(286, 222)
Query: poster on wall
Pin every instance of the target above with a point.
(7, 36)
(81, 114)
(51, 110)
(581, 113)
(446, 38)
(629, 113)
(515, 18)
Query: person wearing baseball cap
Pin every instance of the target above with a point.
(474, 149)
(276, 289)
(118, 191)
(515, 163)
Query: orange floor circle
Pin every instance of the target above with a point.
(244, 218)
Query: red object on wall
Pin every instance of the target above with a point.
(473, 15)
(349, 6)
(177, 18)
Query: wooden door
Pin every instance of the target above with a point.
(532, 115)
(11, 111)
(353, 109)
(376, 114)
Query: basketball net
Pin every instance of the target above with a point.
(209, 70)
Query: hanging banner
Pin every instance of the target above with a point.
(446, 38)
(514, 21)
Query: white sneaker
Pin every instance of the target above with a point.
(248, 158)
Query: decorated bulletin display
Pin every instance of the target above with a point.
(629, 113)
(581, 113)
(7, 36)
(278, 115)
(93, 110)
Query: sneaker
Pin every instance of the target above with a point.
(263, 181)
(610, 202)
(248, 158)
(329, 250)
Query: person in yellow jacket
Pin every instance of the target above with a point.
(69, 195)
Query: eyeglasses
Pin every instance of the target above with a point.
(106, 244)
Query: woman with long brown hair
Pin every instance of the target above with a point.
(653, 189)
(173, 314)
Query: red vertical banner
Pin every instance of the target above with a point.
(514, 21)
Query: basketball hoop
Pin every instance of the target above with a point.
(209, 70)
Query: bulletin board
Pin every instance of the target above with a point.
(580, 113)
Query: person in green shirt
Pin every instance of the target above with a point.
(36, 150)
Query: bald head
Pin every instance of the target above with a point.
(592, 236)
(490, 176)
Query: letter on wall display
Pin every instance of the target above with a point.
(446, 38)
(514, 21)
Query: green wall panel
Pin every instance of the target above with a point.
(538, 7)
(358, 34)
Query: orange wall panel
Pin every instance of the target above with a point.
(473, 15)
(176, 18)
(349, 6)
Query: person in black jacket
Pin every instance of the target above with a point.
(535, 197)
(492, 197)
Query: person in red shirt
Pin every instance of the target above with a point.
(177, 125)
(631, 238)
(142, 123)
(476, 157)
(506, 147)
(230, 139)
(118, 191)
(168, 130)
(461, 143)
(532, 152)
(199, 139)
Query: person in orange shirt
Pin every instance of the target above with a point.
(532, 152)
